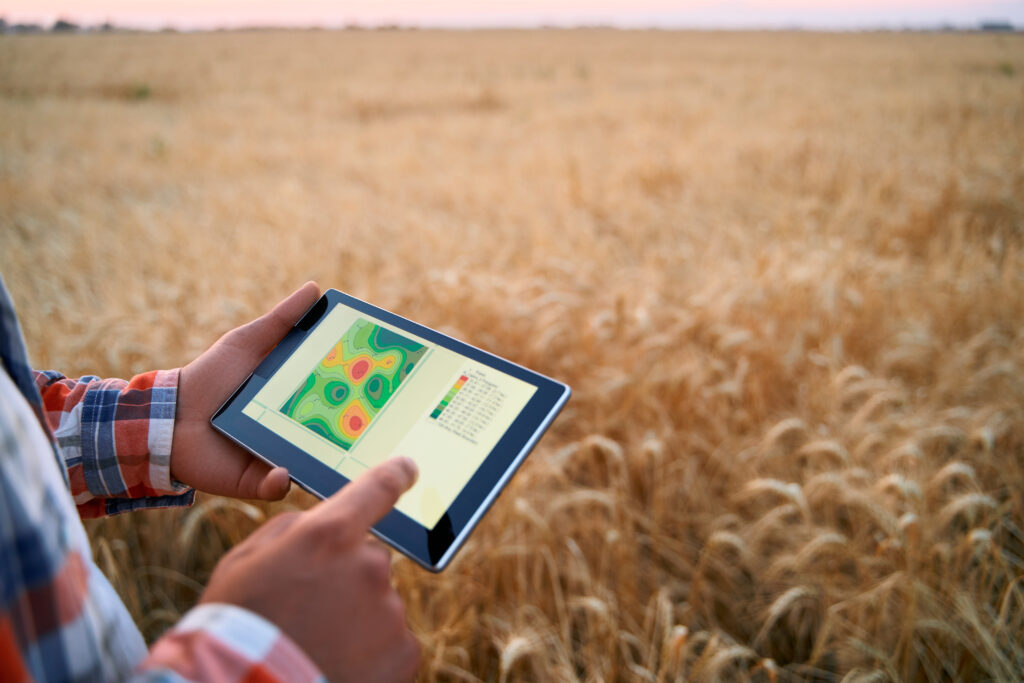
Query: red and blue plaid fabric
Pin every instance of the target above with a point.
(109, 442)
(115, 439)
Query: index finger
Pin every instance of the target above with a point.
(366, 500)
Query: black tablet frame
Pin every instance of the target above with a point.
(431, 548)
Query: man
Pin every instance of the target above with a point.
(308, 595)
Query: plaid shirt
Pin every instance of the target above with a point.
(109, 442)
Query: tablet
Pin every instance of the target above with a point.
(352, 385)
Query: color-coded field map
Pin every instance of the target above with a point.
(353, 382)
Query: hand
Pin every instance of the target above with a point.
(200, 456)
(322, 581)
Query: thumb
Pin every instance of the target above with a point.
(261, 334)
(274, 485)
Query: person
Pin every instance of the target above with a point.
(306, 596)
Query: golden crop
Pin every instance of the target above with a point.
(783, 273)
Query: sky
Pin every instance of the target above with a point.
(829, 14)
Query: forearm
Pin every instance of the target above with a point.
(115, 437)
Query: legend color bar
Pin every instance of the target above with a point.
(448, 397)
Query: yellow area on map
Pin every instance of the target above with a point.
(448, 449)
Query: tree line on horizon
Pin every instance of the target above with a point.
(66, 25)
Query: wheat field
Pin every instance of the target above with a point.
(782, 272)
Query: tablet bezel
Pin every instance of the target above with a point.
(431, 548)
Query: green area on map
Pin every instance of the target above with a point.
(353, 382)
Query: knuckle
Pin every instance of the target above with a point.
(238, 337)
(325, 539)
(286, 518)
(318, 525)
(278, 524)
(346, 532)
(375, 566)
(390, 482)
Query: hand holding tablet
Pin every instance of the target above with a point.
(200, 456)
(352, 385)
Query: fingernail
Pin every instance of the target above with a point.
(412, 471)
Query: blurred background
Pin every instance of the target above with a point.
(781, 269)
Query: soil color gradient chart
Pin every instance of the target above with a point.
(353, 382)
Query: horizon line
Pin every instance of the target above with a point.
(979, 25)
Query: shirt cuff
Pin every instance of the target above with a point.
(222, 642)
(161, 435)
(124, 459)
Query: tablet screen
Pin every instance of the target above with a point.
(358, 390)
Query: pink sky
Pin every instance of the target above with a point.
(698, 13)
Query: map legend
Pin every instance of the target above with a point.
(448, 397)
(470, 406)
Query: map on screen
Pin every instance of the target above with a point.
(359, 390)
(353, 382)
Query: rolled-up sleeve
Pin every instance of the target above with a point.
(115, 436)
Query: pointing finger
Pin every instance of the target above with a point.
(362, 503)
